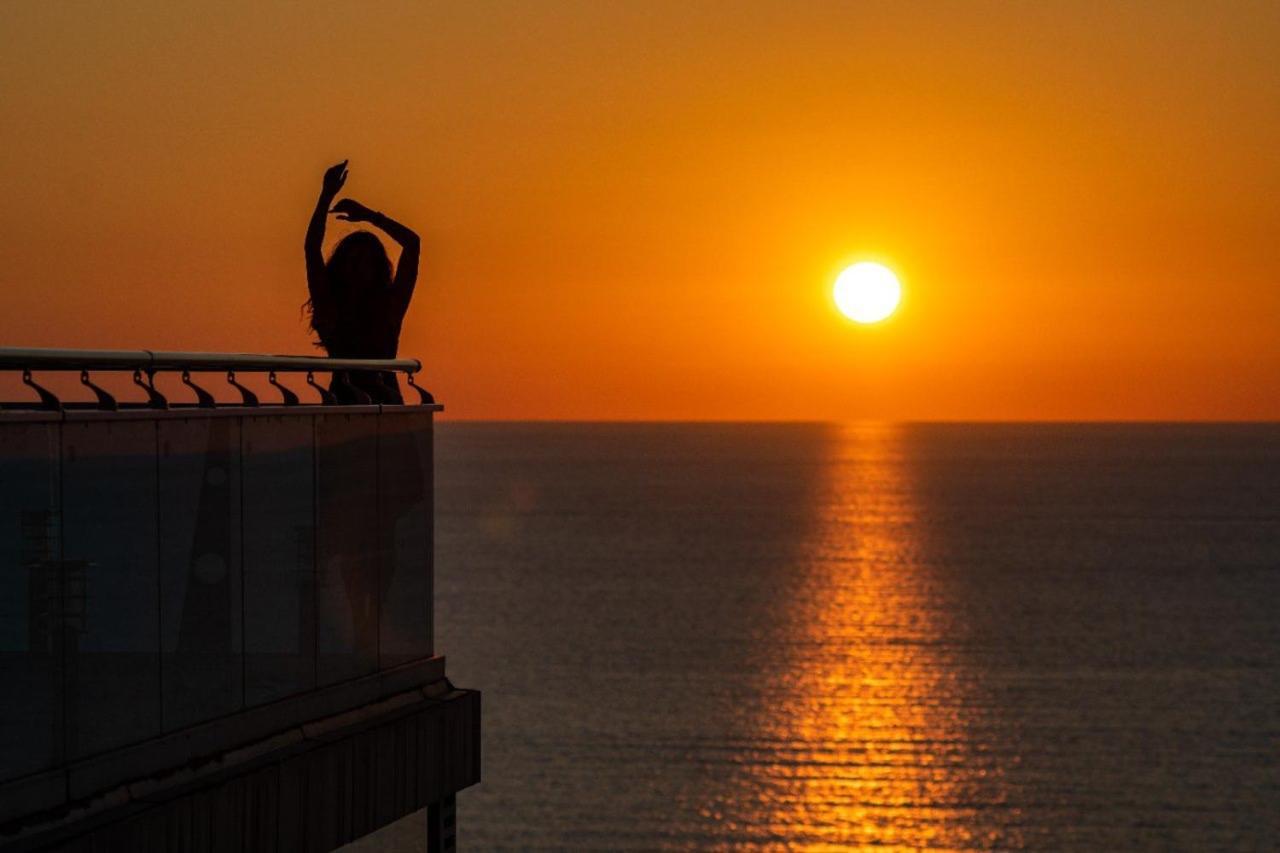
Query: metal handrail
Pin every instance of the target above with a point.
(147, 363)
(23, 358)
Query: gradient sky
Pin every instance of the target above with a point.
(636, 210)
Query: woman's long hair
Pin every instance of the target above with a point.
(358, 267)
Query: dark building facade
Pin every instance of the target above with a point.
(216, 628)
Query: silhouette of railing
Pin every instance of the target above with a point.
(146, 364)
(177, 579)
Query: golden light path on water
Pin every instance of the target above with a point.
(872, 726)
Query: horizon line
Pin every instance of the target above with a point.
(444, 417)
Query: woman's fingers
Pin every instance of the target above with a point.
(336, 175)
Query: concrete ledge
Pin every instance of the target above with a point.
(37, 793)
(315, 786)
(192, 746)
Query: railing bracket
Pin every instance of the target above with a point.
(48, 400)
(248, 398)
(423, 393)
(290, 398)
(155, 399)
(106, 402)
(349, 389)
(326, 397)
(203, 398)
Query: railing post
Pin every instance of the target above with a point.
(442, 825)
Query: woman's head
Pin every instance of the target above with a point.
(358, 267)
(359, 262)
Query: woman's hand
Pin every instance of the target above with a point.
(350, 210)
(334, 177)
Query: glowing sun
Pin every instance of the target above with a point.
(867, 292)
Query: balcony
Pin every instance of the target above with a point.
(193, 593)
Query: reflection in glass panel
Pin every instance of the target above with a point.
(347, 566)
(109, 529)
(279, 557)
(404, 537)
(31, 616)
(200, 596)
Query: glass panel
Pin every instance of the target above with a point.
(279, 557)
(200, 595)
(109, 538)
(346, 571)
(30, 600)
(404, 537)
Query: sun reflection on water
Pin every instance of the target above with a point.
(868, 739)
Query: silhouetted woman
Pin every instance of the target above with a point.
(357, 305)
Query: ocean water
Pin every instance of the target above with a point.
(908, 637)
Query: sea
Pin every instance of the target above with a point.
(842, 636)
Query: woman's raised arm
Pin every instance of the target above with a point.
(351, 210)
(313, 245)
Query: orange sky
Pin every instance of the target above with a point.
(636, 210)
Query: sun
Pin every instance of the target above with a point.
(867, 292)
